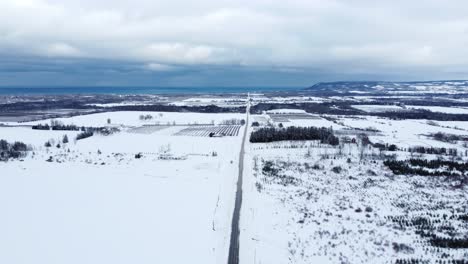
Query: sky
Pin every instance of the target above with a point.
(230, 42)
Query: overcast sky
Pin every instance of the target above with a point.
(230, 43)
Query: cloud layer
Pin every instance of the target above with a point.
(355, 38)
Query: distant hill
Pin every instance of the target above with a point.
(366, 87)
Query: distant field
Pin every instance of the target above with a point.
(148, 129)
(205, 131)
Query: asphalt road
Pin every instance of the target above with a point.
(233, 257)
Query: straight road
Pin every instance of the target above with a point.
(233, 257)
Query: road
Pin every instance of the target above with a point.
(233, 257)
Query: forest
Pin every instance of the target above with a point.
(271, 134)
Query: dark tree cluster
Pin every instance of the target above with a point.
(41, 127)
(84, 134)
(385, 147)
(271, 134)
(425, 167)
(14, 150)
(449, 242)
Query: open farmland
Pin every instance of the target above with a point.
(136, 195)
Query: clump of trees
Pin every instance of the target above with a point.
(385, 147)
(13, 150)
(146, 117)
(41, 127)
(271, 134)
(233, 121)
(440, 136)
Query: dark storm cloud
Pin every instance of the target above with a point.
(221, 41)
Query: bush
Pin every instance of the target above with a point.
(15, 150)
(337, 169)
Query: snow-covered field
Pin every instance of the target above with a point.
(378, 108)
(161, 189)
(95, 202)
(440, 109)
(132, 118)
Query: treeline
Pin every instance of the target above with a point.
(432, 150)
(422, 114)
(270, 134)
(174, 108)
(60, 127)
(12, 150)
(425, 167)
(417, 149)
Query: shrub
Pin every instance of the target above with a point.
(337, 169)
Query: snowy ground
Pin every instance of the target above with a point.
(96, 203)
(448, 110)
(378, 108)
(319, 204)
(307, 213)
